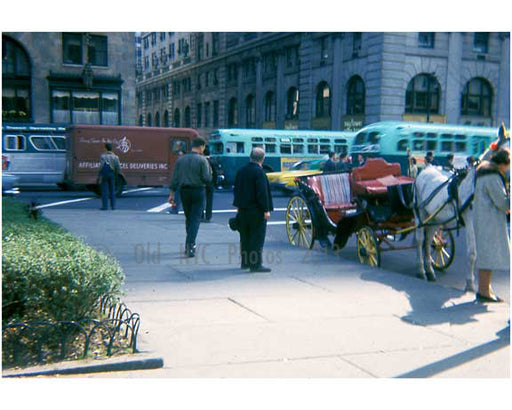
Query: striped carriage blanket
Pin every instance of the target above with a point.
(336, 188)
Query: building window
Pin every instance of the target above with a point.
(292, 56)
(270, 106)
(423, 95)
(324, 50)
(172, 50)
(176, 118)
(477, 98)
(216, 113)
(250, 112)
(157, 119)
(269, 61)
(323, 100)
(16, 102)
(110, 108)
(188, 123)
(249, 66)
(98, 50)
(162, 36)
(216, 76)
(481, 42)
(232, 113)
(292, 106)
(355, 96)
(72, 48)
(166, 118)
(426, 40)
(200, 47)
(146, 62)
(85, 107)
(148, 120)
(207, 114)
(356, 44)
(153, 39)
(215, 44)
(232, 72)
(141, 120)
(199, 115)
(146, 43)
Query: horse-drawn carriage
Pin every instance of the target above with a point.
(373, 201)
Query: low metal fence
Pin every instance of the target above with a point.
(114, 331)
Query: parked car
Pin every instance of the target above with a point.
(9, 181)
(285, 180)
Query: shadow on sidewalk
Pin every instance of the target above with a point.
(431, 304)
(466, 356)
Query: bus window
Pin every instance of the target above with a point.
(447, 146)
(460, 137)
(432, 135)
(234, 147)
(218, 148)
(42, 143)
(403, 145)
(240, 148)
(179, 145)
(446, 136)
(325, 149)
(374, 137)
(312, 139)
(15, 142)
(296, 140)
(431, 145)
(340, 141)
(60, 142)
(460, 146)
(286, 149)
(270, 148)
(338, 149)
(257, 145)
(418, 135)
(298, 149)
(360, 138)
(258, 139)
(270, 139)
(324, 141)
(418, 145)
(312, 149)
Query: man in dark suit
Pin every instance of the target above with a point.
(331, 163)
(254, 204)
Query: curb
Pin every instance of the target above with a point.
(143, 361)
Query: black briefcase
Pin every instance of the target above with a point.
(233, 223)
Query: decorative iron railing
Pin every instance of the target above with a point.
(32, 343)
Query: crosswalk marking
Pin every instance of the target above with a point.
(166, 205)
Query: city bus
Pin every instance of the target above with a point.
(391, 140)
(283, 148)
(36, 153)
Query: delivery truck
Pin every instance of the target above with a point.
(147, 154)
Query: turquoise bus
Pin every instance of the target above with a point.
(391, 140)
(283, 148)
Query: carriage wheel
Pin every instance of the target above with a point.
(299, 224)
(368, 247)
(442, 249)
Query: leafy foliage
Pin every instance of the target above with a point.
(49, 274)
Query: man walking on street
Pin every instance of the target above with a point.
(109, 170)
(254, 203)
(191, 174)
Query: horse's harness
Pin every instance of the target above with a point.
(452, 183)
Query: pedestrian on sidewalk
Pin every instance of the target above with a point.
(491, 205)
(109, 170)
(190, 176)
(210, 188)
(253, 201)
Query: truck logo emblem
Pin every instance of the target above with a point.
(124, 145)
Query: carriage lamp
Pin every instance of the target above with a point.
(494, 146)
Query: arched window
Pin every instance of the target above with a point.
(157, 119)
(16, 101)
(141, 120)
(355, 96)
(166, 118)
(187, 117)
(176, 118)
(292, 104)
(270, 106)
(477, 98)
(232, 113)
(323, 100)
(148, 120)
(423, 95)
(250, 112)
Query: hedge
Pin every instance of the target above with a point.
(49, 274)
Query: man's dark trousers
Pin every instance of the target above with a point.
(252, 228)
(209, 202)
(108, 189)
(192, 200)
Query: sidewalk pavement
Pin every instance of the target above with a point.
(314, 315)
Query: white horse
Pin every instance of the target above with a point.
(434, 207)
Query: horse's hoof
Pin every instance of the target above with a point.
(431, 277)
(470, 286)
(421, 276)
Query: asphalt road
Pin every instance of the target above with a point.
(153, 200)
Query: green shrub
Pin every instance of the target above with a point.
(47, 273)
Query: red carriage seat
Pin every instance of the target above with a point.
(374, 177)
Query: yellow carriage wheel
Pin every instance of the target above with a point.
(299, 224)
(368, 247)
(442, 249)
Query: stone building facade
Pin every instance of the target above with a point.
(64, 78)
(329, 81)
